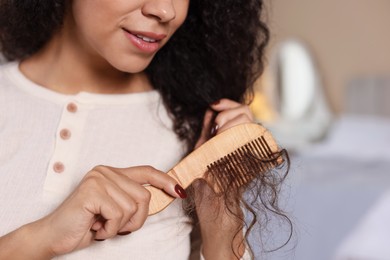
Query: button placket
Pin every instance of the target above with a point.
(60, 174)
(64, 134)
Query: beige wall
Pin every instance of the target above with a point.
(347, 38)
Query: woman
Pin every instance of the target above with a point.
(106, 82)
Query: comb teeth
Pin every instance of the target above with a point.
(239, 168)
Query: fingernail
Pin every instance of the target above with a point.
(180, 191)
(215, 103)
(214, 130)
(99, 240)
(125, 233)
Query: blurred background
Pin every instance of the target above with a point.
(325, 96)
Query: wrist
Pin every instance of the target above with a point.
(24, 243)
(35, 241)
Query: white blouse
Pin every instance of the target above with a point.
(48, 141)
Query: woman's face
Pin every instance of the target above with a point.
(126, 33)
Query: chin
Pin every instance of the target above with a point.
(131, 65)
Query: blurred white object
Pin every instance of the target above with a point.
(296, 94)
(298, 80)
(371, 239)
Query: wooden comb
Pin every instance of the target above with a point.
(245, 151)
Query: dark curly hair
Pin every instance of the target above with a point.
(217, 53)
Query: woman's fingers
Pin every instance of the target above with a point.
(152, 176)
(125, 188)
(129, 194)
(109, 201)
(239, 119)
(109, 207)
(222, 115)
(134, 202)
(112, 216)
(224, 104)
(137, 219)
(230, 113)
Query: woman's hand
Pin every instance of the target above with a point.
(107, 202)
(228, 113)
(218, 227)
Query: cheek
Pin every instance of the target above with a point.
(94, 35)
(93, 18)
(181, 12)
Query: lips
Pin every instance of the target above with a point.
(145, 41)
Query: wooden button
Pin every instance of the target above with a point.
(58, 167)
(65, 134)
(72, 107)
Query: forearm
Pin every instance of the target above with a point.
(222, 239)
(24, 243)
(221, 229)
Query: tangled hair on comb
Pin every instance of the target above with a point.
(253, 182)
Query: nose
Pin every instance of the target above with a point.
(162, 10)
